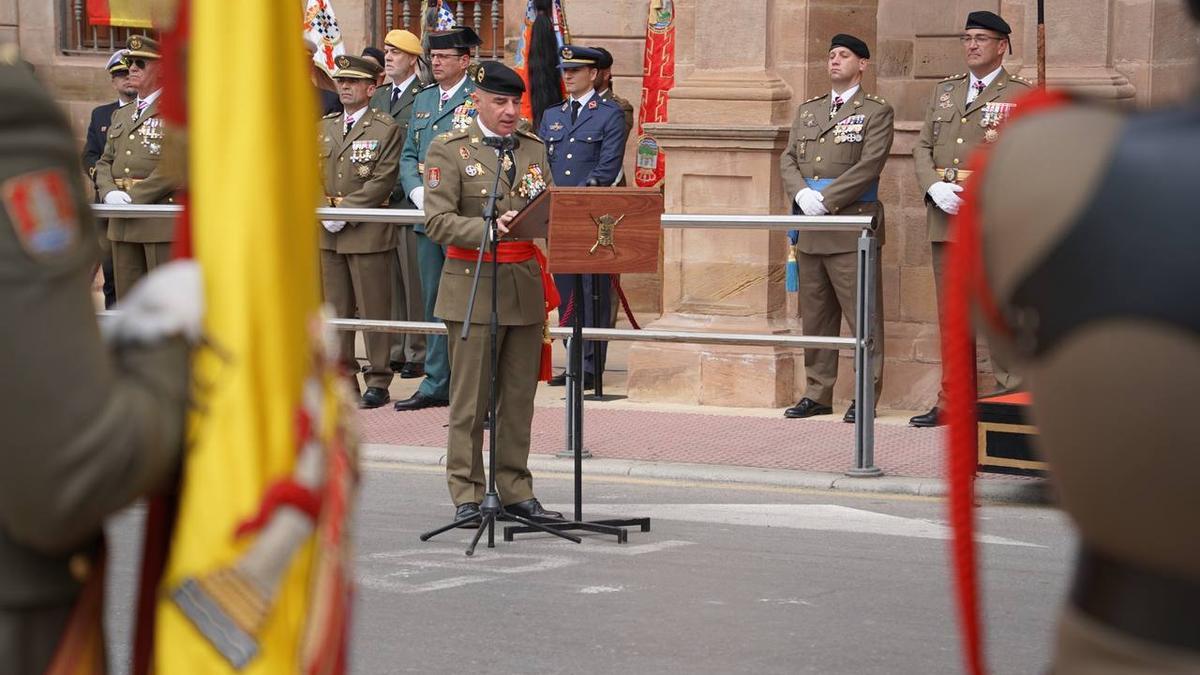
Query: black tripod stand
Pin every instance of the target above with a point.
(491, 508)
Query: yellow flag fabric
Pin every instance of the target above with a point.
(125, 13)
(252, 169)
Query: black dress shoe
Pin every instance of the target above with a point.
(807, 408)
(375, 397)
(411, 370)
(849, 416)
(467, 510)
(933, 418)
(395, 366)
(532, 508)
(419, 401)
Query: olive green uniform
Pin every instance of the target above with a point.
(951, 131)
(357, 263)
(851, 148)
(132, 163)
(1114, 391)
(406, 278)
(454, 200)
(67, 461)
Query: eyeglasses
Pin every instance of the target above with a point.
(980, 40)
(140, 63)
(445, 57)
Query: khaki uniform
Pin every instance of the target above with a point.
(86, 430)
(357, 263)
(131, 163)
(1112, 355)
(951, 131)
(454, 201)
(406, 278)
(850, 148)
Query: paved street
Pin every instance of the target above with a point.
(730, 579)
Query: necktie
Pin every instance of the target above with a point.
(510, 168)
(977, 89)
(575, 106)
(442, 102)
(141, 107)
(395, 94)
(349, 125)
(837, 105)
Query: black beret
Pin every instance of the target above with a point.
(497, 78)
(852, 43)
(606, 59)
(988, 21)
(459, 37)
(375, 53)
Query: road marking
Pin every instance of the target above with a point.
(594, 590)
(821, 517)
(607, 547)
(391, 571)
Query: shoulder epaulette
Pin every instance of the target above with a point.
(953, 77)
(381, 116)
(450, 135)
(873, 97)
(530, 135)
(331, 115)
(1018, 78)
(431, 85)
(815, 98)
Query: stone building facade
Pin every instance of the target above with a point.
(741, 69)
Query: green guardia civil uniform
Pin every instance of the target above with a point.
(952, 129)
(87, 428)
(459, 175)
(407, 304)
(359, 169)
(432, 117)
(841, 156)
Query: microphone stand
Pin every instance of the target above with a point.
(492, 509)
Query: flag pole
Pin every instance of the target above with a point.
(1041, 43)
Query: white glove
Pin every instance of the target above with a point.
(118, 197)
(333, 226)
(811, 202)
(418, 197)
(167, 302)
(945, 196)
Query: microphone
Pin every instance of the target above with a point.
(501, 142)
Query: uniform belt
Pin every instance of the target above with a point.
(871, 194)
(126, 183)
(333, 201)
(1138, 602)
(953, 175)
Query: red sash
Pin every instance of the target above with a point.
(516, 252)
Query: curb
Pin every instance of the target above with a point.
(991, 490)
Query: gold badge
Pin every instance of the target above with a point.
(470, 170)
(606, 226)
(567, 54)
(362, 171)
(991, 135)
(464, 153)
(479, 75)
(343, 62)
(135, 42)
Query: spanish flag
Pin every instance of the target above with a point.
(123, 13)
(256, 578)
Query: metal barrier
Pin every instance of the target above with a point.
(868, 251)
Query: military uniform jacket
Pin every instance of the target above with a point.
(459, 174)
(132, 153)
(851, 148)
(401, 112)
(97, 135)
(625, 106)
(66, 463)
(593, 148)
(953, 129)
(428, 123)
(360, 173)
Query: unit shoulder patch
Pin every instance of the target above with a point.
(41, 212)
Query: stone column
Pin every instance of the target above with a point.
(729, 117)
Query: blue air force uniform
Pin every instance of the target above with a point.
(587, 151)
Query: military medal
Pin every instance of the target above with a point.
(362, 171)
(464, 153)
(991, 135)
(532, 183)
(944, 101)
(507, 164)
(470, 170)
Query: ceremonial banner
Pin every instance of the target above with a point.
(321, 27)
(122, 13)
(658, 77)
(257, 579)
(558, 18)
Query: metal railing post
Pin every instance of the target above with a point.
(864, 372)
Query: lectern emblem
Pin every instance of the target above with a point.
(605, 227)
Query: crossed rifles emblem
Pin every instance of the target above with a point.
(605, 226)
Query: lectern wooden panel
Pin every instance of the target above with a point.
(593, 230)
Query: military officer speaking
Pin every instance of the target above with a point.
(400, 52)
(964, 111)
(836, 150)
(585, 141)
(69, 462)
(459, 175)
(445, 106)
(360, 149)
(129, 172)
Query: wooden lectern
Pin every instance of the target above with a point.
(591, 230)
(595, 230)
